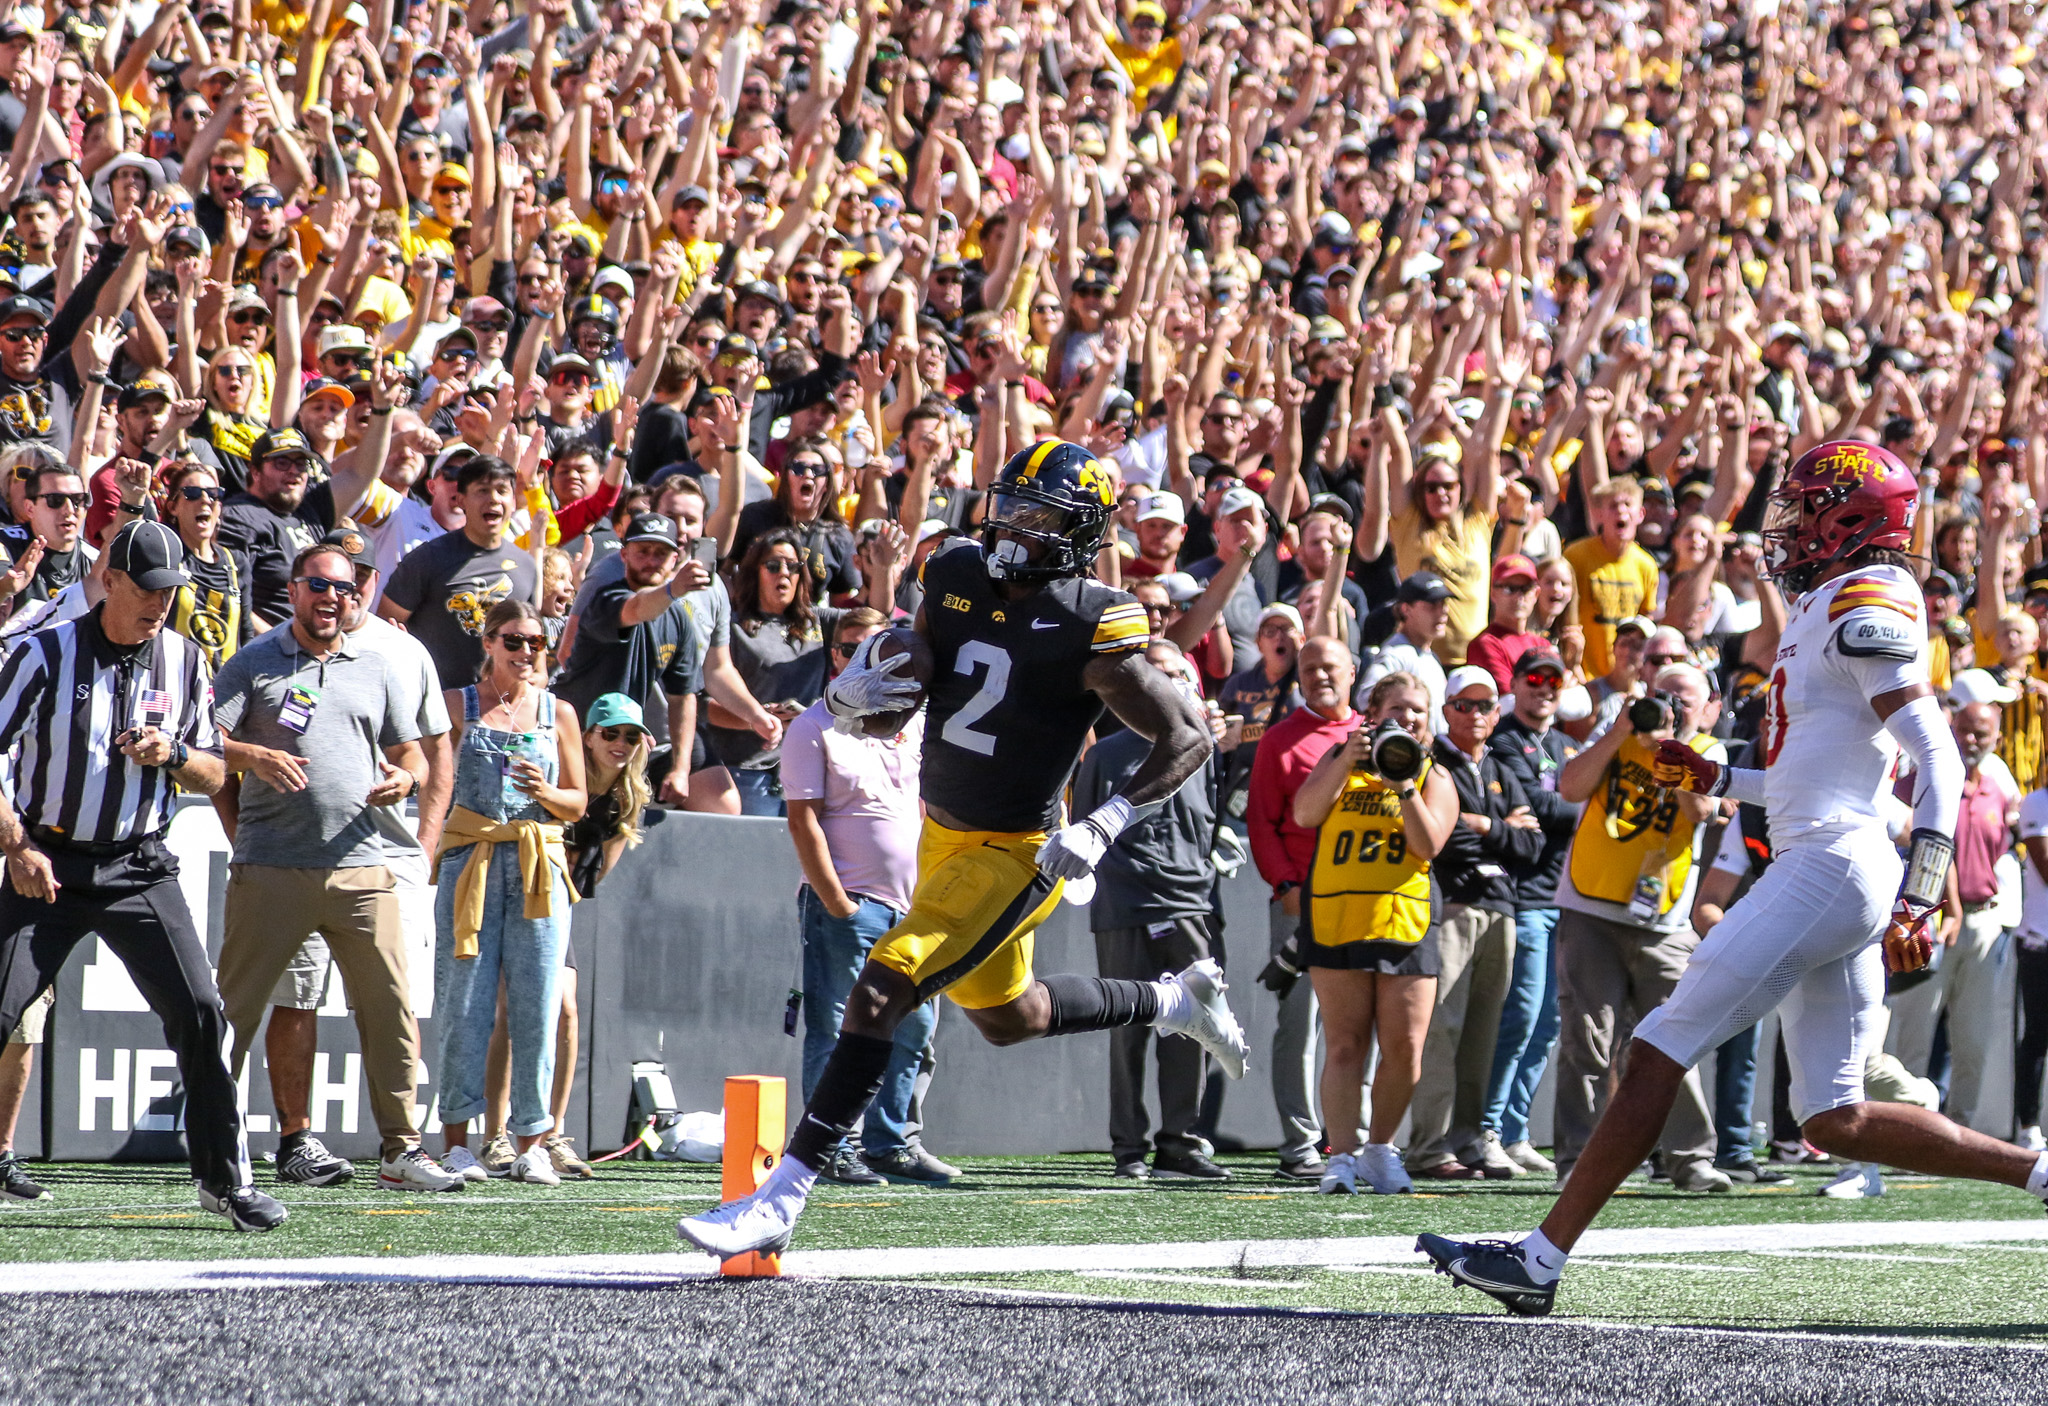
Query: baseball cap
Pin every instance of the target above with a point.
(1180, 586)
(1513, 566)
(343, 336)
(1281, 610)
(453, 173)
(1422, 586)
(21, 305)
(454, 457)
(191, 236)
(457, 334)
(1978, 686)
(1785, 329)
(321, 385)
(148, 388)
(612, 276)
(1236, 501)
(614, 710)
(758, 288)
(696, 193)
(570, 359)
(482, 308)
(1940, 582)
(279, 443)
(150, 555)
(1539, 657)
(1162, 507)
(1641, 624)
(650, 527)
(737, 344)
(1470, 676)
(351, 541)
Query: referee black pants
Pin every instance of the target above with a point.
(132, 900)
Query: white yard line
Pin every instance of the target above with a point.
(1858, 1255)
(1377, 1269)
(1579, 1262)
(1257, 1285)
(652, 1269)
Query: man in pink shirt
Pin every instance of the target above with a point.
(854, 816)
(1507, 635)
(1282, 850)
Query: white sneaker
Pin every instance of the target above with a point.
(1524, 1155)
(1340, 1175)
(536, 1166)
(1491, 1158)
(413, 1170)
(1856, 1179)
(1208, 1020)
(2031, 1140)
(462, 1162)
(1380, 1162)
(755, 1223)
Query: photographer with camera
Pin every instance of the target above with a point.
(1382, 812)
(1624, 934)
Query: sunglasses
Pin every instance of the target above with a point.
(1515, 588)
(235, 371)
(1441, 485)
(229, 170)
(459, 354)
(845, 651)
(193, 492)
(262, 202)
(570, 378)
(451, 190)
(59, 501)
(529, 279)
(247, 316)
(803, 276)
(350, 359)
(18, 335)
(496, 324)
(1663, 659)
(1542, 678)
(321, 585)
(1092, 293)
(808, 468)
(783, 568)
(522, 644)
(627, 734)
(1472, 705)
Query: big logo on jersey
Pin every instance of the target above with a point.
(470, 607)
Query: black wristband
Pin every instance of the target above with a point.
(178, 758)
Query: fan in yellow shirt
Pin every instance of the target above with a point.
(1617, 579)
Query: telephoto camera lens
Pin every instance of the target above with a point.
(1396, 755)
(1652, 713)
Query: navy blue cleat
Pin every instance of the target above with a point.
(1493, 1267)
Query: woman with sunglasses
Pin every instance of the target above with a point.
(502, 911)
(212, 608)
(779, 646)
(229, 387)
(806, 504)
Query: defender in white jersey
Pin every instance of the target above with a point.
(1849, 692)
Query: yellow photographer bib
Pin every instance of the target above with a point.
(1366, 885)
(1632, 828)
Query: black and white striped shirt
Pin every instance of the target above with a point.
(66, 692)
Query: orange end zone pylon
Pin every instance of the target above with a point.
(756, 1121)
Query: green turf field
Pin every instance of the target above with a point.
(1957, 1289)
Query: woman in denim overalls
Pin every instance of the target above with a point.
(518, 775)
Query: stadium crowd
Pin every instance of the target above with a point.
(632, 356)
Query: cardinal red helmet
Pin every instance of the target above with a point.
(1840, 498)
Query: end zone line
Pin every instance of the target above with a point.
(658, 1267)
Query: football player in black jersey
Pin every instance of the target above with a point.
(1027, 649)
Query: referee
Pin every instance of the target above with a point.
(107, 711)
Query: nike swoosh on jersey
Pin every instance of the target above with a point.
(1045, 624)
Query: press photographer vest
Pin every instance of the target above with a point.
(1633, 831)
(1365, 883)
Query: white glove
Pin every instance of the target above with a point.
(1072, 852)
(864, 687)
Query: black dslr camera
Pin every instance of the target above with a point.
(1395, 755)
(1656, 712)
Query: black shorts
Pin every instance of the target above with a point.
(1386, 958)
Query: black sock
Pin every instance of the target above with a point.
(1097, 1003)
(290, 1141)
(852, 1077)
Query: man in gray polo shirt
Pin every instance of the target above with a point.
(324, 733)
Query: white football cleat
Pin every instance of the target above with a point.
(756, 1223)
(1857, 1179)
(1208, 1020)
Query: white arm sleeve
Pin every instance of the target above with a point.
(1744, 784)
(1938, 768)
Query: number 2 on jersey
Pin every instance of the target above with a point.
(959, 729)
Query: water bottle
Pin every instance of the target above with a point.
(522, 749)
